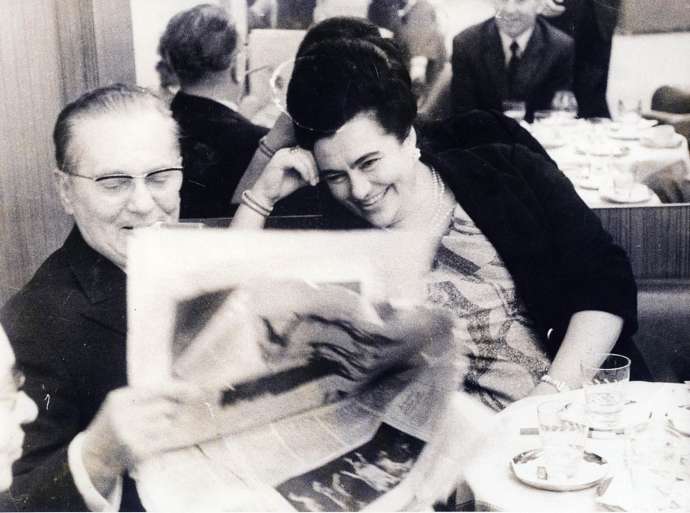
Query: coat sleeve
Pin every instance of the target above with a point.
(42, 478)
(593, 272)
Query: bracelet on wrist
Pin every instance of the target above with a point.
(560, 386)
(250, 201)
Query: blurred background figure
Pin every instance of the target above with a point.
(281, 14)
(15, 409)
(591, 23)
(513, 56)
(169, 84)
(203, 48)
(417, 32)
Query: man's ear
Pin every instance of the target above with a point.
(64, 188)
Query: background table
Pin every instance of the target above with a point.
(490, 484)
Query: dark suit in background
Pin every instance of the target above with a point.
(592, 24)
(480, 77)
(217, 144)
(68, 329)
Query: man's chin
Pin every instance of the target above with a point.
(5, 476)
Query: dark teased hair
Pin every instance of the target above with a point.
(338, 27)
(199, 41)
(336, 79)
(104, 100)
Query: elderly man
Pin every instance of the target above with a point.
(118, 169)
(512, 56)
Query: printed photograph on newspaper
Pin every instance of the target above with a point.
(325, 376)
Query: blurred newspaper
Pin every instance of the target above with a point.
(323, 394)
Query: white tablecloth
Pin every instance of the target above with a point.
(643, 161)
(489, 482)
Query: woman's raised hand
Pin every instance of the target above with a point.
(288, 170)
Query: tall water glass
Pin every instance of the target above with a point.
(604, 380)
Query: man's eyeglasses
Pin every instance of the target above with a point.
(158, 181)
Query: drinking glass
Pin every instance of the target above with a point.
(562, 432)
(604, 378)
(515, 109)
(565, 104)
(623, 179)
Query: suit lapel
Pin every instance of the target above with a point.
(494, 61)
(532, 64)
(103, 283)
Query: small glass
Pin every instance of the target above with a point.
(562, 432)
(565, 104)
(515, 109)
(623, 179)
(604, 379)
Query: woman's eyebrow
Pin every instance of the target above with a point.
(364, 157)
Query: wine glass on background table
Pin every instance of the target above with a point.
(515, 109)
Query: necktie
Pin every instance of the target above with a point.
(512, 66)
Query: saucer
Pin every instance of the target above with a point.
(639, 193)
(678, 418)
(591, 183)
(529, 465)
(604, 149)
(674, 142)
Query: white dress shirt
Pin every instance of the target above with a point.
(522, 40)
(92, 498)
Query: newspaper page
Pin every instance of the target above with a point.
(326, 375)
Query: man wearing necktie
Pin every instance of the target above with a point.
(513, 56)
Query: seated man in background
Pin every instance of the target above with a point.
(512, 56)
(15, 409)
(118, 169)
(200, 45)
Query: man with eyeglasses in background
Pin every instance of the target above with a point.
(118, 170)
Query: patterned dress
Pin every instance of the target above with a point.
(504, 356)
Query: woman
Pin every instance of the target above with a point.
(533, 279)
(15, 409)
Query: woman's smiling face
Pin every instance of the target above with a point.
(369, 170)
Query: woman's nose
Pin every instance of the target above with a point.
(26, 409)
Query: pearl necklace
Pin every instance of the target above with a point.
(440, 215)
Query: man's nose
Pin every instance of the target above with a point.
(26, 409)
(140, 199)
(359, 185)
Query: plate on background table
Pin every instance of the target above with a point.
(674, 142)
(590, 183)
(638, 193)
(605, 148)
(678, 419)
(530, 468)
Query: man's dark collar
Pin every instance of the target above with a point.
(98, 277)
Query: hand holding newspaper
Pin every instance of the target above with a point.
(323, 393)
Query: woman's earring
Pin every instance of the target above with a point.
(417, 153)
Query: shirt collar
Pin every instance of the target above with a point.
(230, 105)
(521, 40)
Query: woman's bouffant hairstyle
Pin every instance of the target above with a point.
(336, 79)
(107, 100)
(337, 27)
(199, 41)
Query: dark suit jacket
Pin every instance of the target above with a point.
(480, 78)
(217, 145)
(68, 330)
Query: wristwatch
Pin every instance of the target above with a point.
(561, 386)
